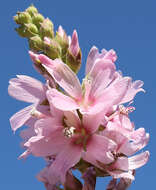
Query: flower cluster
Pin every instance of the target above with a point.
(79, 126)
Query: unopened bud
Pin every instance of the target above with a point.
(62, 38)
(74, 62)
(73, 57)
(32, 10)
(52, 48)
(37, 19)
(32, 29)
(22, 18)
(74, 47)
(46, 28)
(22, 31)
(36, 43)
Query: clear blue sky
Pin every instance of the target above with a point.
(128, 26)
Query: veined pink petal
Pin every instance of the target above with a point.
(26, 134)
(46, 126)
(138, 142)
(118, 174)
(53, 110)
(134, 88)
(93, 57)
(121, 164)
(100, 82)
(26, 89)
(138, 160)
(102, 64)
(69, 156)
(125, 122)
(92, 122)
(99, 149)
(113, 94)
(63, 75)
(61, 101)
(47, 146)
(20, 118)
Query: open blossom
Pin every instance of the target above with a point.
(86, 122)
(102, 88)
(69, 139)
(129, 141)
(29, 90)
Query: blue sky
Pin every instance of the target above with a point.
(128, 26)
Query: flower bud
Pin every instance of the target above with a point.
(36, 43)
(22, 18)
(52, 48)
(46, 28)
(74, 47)
(32, 29)
(73, 57)
(62, 38)
(74, 62)
(21, 31)
(32, 10)
(37, 19)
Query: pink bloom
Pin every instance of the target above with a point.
(68, 138)
(29, 90)
(101, 89)
(129, 141)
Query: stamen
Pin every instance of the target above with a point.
(35, 113)
(125, 110)
(69, 132)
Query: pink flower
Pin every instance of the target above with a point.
(29, 90)
(101, 89)
(129, 141)
(69, 138)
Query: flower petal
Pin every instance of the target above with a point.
(61, 101)
(92, 122)
(113, 94)
(93, 54)
(99, 149)
(47, 146)
(138, 160)
(69, 156)
(26, 89)
(134, 88)
(63, 75)
(20, 118)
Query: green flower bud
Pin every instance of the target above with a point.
(46, 28)
(63, 42)
(37, 19)
(32, 29)
(36, 43)
(52, 49)
(22, 18)
(21, 31)
(16, 19)
(32, 10)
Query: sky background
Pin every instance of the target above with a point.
(127, 26)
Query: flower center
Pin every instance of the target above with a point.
(69, 131)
